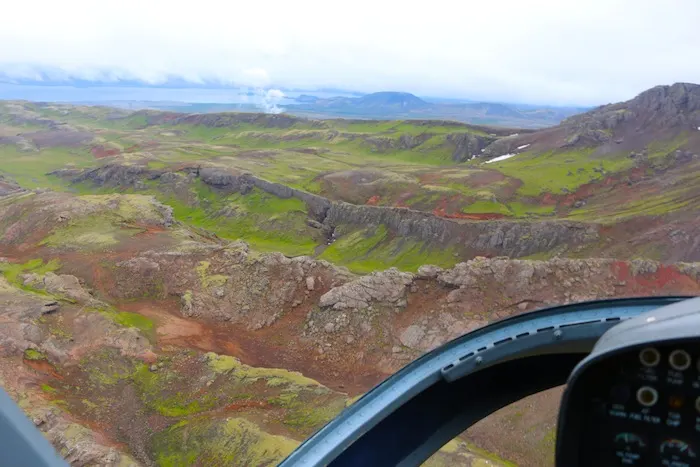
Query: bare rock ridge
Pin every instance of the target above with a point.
(658, 113)
(489, 237)
(661, 107)
(496, 238)
(467, 145)
(318, 205)
(478, 291)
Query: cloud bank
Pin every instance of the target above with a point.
(540, 51)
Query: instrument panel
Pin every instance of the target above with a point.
(641, 407)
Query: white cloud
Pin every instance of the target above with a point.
(256, 77)
(270, 99)
(556, 51)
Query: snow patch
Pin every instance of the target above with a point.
(514, 134)
(523, 146)
(501, 158)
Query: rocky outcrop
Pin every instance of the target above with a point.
(386, 287)
(63, 285)
(487, 237)
(511, 144)
(661, 107)
(467, 145)
(668, 106)
(118, 175)
(403, 142)
(112, 175)
(227, 283)
(444, 304)
(243, 183)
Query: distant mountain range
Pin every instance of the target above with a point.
(178, 94)
(393, 105)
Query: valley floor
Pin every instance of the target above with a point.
(211, 289)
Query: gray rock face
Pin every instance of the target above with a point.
(428, 271)
(63, 285)
(451, 302)
(310, 283)
(412, 336)
(383, 143)
(66, 285)
(111, 175)
(243, 183)
(230, 285)
(468, 145)
(661, 107)
(485, 237)
(387, 287)
(502, 146)
(676, 104)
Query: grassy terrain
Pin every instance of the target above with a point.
(368, 250)
(13, 271)
(481, 207)
(226, 441)
(30, 169)
(350, 160)
(657, 204)
(266, 222)
(130, 320)
(558, 172)
(109, 219)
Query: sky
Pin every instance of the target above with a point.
(560, 52)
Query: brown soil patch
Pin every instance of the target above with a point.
(100, 152)
(246, 404)
(146, 229)
(482, 178)
(276, 346)
(373, 201)
(42, 366)
(52, 138)
(430, 178)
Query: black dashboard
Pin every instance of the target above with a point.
(642, 408)
(636, 404)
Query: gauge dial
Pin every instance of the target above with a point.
(677, 453)
(629, 448)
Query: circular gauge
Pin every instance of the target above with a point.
(679, 360)
(629, 448)
(677, 453)
(647, 396)
(649, 357)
